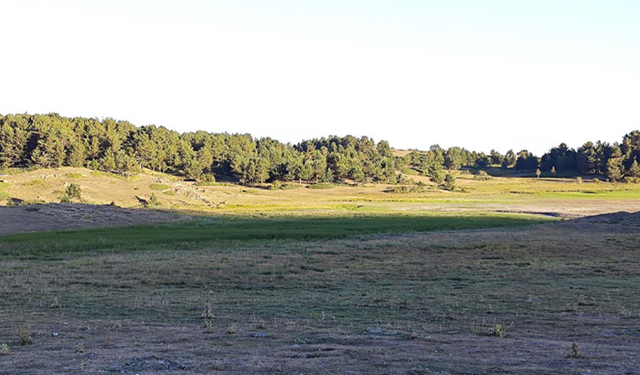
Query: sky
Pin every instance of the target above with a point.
(480, 74)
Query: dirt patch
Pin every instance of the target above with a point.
(49, 217)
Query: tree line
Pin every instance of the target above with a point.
(52, 140)
(615, 161)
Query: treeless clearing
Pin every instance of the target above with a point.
(394, 304)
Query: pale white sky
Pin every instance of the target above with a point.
(479, 74)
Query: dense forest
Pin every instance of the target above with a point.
(118, 146)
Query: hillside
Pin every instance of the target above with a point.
(159, 193)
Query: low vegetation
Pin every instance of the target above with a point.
(356, 303)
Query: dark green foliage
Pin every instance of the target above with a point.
(74, 191)
(449, 182)
(120, 147)
(526, 161)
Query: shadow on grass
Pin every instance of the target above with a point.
(208, 231)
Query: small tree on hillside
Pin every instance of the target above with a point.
(634, 169)
(73, 191)
(449, 182)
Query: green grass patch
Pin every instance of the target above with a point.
(74, 175)
(321, 186)
(158, 187)
(37, 182)
(3, 190)
(210, 231)
(107, 174)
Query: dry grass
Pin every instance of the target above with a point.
(514, 194)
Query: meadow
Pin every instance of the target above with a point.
(490, 278)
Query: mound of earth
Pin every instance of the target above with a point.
(613, 222)
(47, 217)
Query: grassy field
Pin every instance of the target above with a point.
(320, 281)
(457, 302)
(563, 197)
(211, 231)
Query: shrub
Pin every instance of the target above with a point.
(449, 182)
(574, 351)
(4, 349)
(24, 334)
(72, 191)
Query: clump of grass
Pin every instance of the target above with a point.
(232, 330)
(574, 352)
(55, 304)
(80, 348)
(37, 182)
(158, 187)
(208, 326)
(4, 349)
(154, 201)
(74, 175)
(207, 313)
(24, 335)
(480, 328)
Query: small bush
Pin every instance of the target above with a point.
(449, 182)
(4, 349)
(24, 334)
(73, 191)
(574, 351)
(207, 313)
(579, 179)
